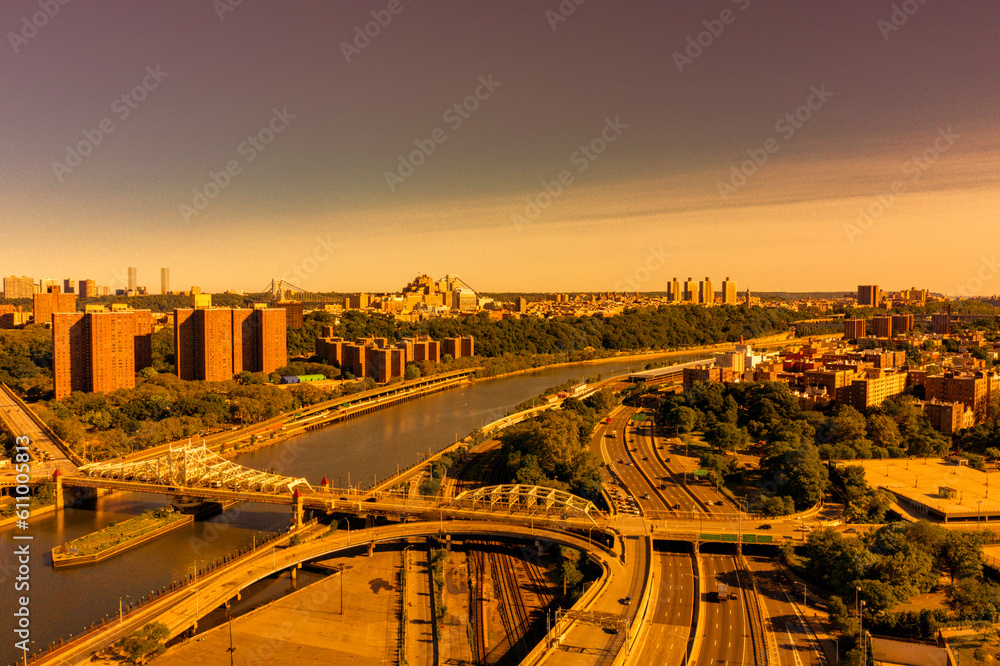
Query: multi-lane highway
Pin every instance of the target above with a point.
(726, 629)
(675, 593)
(796, 644)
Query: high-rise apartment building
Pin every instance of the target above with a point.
(69, 286)
(99, 351)
(706, 292)
(872, 390)
(690, 294)
(88, 289)
(133, 278)
(52, 301)
(902, 323)
(7, 315)
(458, 347)
(728, 292)
(164, 280)
(674, 291)
(213, 344)
(941, 322)
(293, 312)
(974, 390)
(882, 327)
(18, 287)
(854, 329)
(868, 295)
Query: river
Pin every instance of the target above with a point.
(67, 600)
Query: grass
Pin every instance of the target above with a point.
(117, 533)
(964, 645)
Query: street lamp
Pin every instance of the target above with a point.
(979, 514)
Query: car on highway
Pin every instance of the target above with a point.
(763, 527)
(645, 496)
(663, 486)
(626, 601)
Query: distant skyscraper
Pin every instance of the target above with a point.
(674, 291)
(88, 289)
(164, 280)
(868, 295)
(133, 280)
(728, 292)
(690, 291)
(45, 286)
(69, 287)
(18, 287)
(706, 292)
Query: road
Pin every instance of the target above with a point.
(726, 630)
(39, 441)
(797, 646)
(666, 639)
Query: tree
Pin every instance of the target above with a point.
(961, 555)
(974, 599)
(726, 436)
(684, 419)
(145, 643)
(412, 371)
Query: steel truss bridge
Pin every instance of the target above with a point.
(194, 467)
(512, 499)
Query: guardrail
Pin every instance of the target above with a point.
(73, 457)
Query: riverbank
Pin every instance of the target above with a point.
(118, 537)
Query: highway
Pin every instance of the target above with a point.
(726, 629)
(667, 637)
(796, 644)
(12, 414)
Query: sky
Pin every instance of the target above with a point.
(524, 145)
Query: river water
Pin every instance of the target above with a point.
(67, 600)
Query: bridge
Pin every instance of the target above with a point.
(180, 609)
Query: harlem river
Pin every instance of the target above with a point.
(358, 451)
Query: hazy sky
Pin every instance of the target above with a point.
(589, 150)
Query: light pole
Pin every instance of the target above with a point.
(120, 610)
(197, 603)
(861, 632)
(979, 514)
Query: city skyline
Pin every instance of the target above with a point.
(626, 126)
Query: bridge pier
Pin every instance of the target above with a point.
(447, 542)
(371, 548)
(59, 491)
(297, 511)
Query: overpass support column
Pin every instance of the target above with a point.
(59, 492)
(297, 512)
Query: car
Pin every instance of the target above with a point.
(720, 503)
(850, 530)
(732, 595)
(645, 496)
(627, 601)
(802, 528)
(645, 458)
(663, 486)
(666, 459)
(763, 527)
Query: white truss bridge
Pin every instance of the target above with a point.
(194, 467)
(523, 499)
